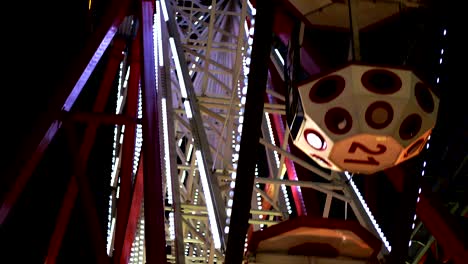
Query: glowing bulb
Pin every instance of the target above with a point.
(315, 140)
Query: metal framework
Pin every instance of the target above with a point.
(209, 96)
(177, 139)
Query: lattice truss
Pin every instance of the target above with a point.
(208, 46)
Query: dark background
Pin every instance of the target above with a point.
(40, 40)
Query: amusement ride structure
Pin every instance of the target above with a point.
(217, 131)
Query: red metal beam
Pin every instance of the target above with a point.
(435, 217)
(291, 170)
(128, 150)
(403, 205)
(80, 178)
(137, 199)
(309, 197)
(83, 153)
(74, 83)
(442, 225)
(155, 237)
(62, 222)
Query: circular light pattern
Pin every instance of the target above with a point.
(338, 120)
(315, 140)
(379, 115)
(424, 97)
(381, 81)
(410, 127)
(327, 89)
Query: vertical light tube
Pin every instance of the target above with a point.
(369, 213)
(209, 200)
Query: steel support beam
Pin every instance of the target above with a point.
(198, 131)
(86, 195)
(443, 227)
(166, 92)
(251, 132)
(48, 126)
(84, 150)
(364, 218)
(299, 161)
(423, 251)
(274, 170)
(61, 224)
(128, 151)
(135, 207)
(405, 201)
(291, 170)
(353, 6)
(155, 239)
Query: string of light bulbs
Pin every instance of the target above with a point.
(441, 59)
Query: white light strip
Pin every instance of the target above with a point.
(171, 226)
(112, 228)
(189, 152)
(283, 187)
(158, 46)
(279, 57)
(155, 50)
(292, 171)
(286, 198)
(166, 151)
(98, 54)
(209, 201)
(188, 109)
(119, 102)
(419, 191)
(119, 87)
(270, 131)
(252, 9)
(369, 213)
(138, 145)
(427, 147)
(115, 155)
(164, 10)
(242, 86)
(246, 28)
(126, 77)
(141, 241)
(114, 171)
(139, 134)
(180, 77)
